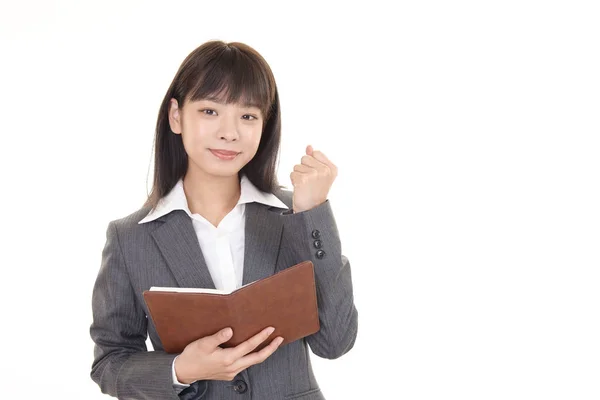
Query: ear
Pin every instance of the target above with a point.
(175, 117)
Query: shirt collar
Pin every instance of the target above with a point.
(176, 200)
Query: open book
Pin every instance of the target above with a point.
(286, 301)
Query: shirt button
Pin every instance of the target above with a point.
(320, 254)
(318, 244)
(240, 386)
(316, 234)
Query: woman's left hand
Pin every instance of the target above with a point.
(312, 180)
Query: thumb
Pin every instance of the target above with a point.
(220, 337)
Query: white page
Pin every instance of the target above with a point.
(194, 290)
(188, 290)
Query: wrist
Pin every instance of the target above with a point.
(296, 210)
(181, 372)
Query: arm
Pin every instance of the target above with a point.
(123, 367)
(338, 316)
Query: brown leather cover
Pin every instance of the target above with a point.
(286, 301)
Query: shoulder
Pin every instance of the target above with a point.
(129, 223)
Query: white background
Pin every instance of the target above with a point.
(465, 133)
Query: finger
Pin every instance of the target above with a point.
(259, 356)
(319, 156)
(303, 168)
(299, 178)
(246, 347)
(310, 161)
(218, 338)
(309, 150)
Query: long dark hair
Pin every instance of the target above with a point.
(232, 72)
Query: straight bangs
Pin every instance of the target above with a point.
(233, 76)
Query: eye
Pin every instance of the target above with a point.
(249, 117)
(208, 111)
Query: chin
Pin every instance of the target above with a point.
(223, 171)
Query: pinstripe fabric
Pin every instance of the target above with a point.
(165, 252)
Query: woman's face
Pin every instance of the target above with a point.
(208, 126)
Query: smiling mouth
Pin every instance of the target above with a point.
(224, 154)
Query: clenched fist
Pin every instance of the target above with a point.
(312, 179)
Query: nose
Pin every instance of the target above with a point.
(228, 129)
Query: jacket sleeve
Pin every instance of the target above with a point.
(123, 367)
(313, 235)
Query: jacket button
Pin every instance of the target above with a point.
(318, 244)
(240, 386)
(316, 234)
(320, 254)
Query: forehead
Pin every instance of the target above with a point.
(231, 89)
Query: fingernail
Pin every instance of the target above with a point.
(279, 341)
(227, 332)
(270, 330)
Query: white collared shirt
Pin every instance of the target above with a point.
(222, 246)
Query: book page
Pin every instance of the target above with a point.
(188, 290)
(195, 290)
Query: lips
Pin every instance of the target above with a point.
(224, 152)
(225, 155)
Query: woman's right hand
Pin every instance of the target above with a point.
(204, 359)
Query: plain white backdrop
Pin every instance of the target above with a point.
(467, 140)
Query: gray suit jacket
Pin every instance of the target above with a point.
(166, 252)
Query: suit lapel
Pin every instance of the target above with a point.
(263, 236)
(179, 245)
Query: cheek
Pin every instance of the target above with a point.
(191, 143)
(194, 135)
(254, 140)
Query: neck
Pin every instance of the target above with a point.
(210, 195)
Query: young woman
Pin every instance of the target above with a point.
(216, 217)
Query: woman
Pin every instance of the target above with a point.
(216, 217)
